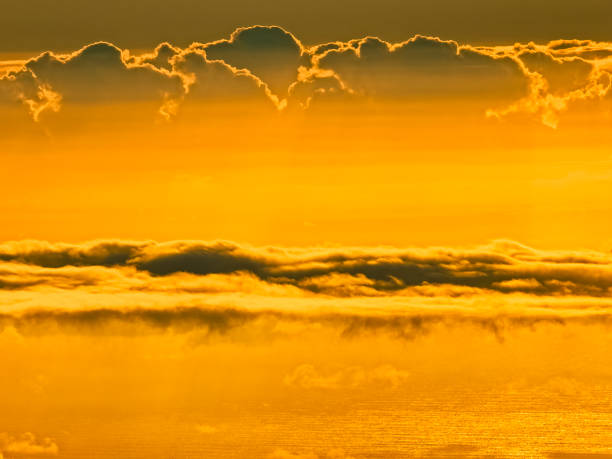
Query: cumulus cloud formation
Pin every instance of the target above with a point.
(94, 74)
(423, 67)
(561, 73)
(101, 73)
(98, 72)
(210, 80)
(271, 53)
(271, 64)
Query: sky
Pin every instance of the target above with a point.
(67, 24)
(305, 230)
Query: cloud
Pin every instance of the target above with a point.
(347, 323)
(103, 74)
(314, 84)
(562, 74)
(10, 66)
(22, 86)
(269, 52)
(423, 68)
(306, 376)
(103, 253)
(215, 321)
(99, 74)
(161, 57)
(501, 267)
(270, 65)
(27, 445)
(210, 80)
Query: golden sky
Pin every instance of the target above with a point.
(364, 231)
(401, 139)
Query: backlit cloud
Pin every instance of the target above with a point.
(271, 53)
(270, 65)
(422, 68)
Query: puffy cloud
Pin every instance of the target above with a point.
(98, 73)
(161, 57)
(95, 74)
(101, 73)
(423, 68)
(548, 106)
(561, 73)
(10, 66)
(268, 64)
(209, 80)
(271, 53)
(315, 84)
(27, 445)
(22, 86)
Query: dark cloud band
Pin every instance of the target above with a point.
(503, 267)
(220, 321)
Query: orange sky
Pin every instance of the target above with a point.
(265, 245)
(293, 145)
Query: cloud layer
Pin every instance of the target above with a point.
(221, 286)
(502, 267)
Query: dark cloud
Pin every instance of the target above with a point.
(106, 253)
(101, 73)
(505, 267)
(424, 67)
(207, 80)
(220, 321)
(271, 53)
(98, 73)
(22, 87)
(562, 74)
(585, 49)
(101, 320)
